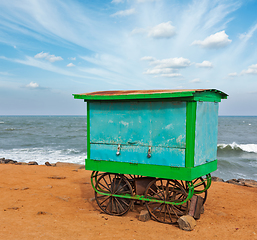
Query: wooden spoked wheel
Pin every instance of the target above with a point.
(199, 187)
(96, 175)
(170, 191)
(113, 184)
(129, 176)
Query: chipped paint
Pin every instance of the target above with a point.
(170, 126)
(124, 123)
(180, 139)
(140, 119)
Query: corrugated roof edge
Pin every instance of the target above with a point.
(144, 94)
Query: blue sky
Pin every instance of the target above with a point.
(50, 49)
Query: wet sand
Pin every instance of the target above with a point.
(41, 202)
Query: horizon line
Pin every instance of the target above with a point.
(71, 115)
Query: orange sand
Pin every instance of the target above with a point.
(34, 206)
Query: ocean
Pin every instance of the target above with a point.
(63, 139)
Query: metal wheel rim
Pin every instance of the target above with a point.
(111, 183)
(198, 189)
(167, 190)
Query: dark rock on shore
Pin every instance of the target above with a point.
(243, 182)
(217, 179)
(10, 161)
(32, 163)
(21, 163)
(7, 161)
(234, 181)
(58, 164)
(240, 181)
(249, 182)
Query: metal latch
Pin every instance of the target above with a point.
(118, 150)
(149, 152)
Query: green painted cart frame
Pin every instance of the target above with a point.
(170, 183)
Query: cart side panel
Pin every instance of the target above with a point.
(138, 123)
(206, 132)
(174, 157)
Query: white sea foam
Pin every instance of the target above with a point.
(244, 147)
(42, 155)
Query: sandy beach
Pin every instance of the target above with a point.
(41, 202)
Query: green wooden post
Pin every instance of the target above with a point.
(190, 133)
(88, 130)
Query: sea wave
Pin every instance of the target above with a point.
(42, 155)
(229, 168)
(10, 129)
(251, 148)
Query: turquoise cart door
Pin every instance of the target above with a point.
(137, 129)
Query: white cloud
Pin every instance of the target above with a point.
(53, 58)
(171, 75)
(196, 80)
(163, 30)
(158, 71)
(30, 61)
(50, 58)
(14, 47)
(41, 55)
(32, 85)
(234, 74)
(148, 58)
(73, 58)
(117, 1)
(4, 73)
(139, 31)
(106, 61)
(70, 65)
(204, 64)
(172, 63)
(124, 13)
(249, 34)
(251, 70)
(217, 40)
(143, 1)
(166, 67)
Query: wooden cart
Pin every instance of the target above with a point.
(157, 146)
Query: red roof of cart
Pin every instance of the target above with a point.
(152, 94)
